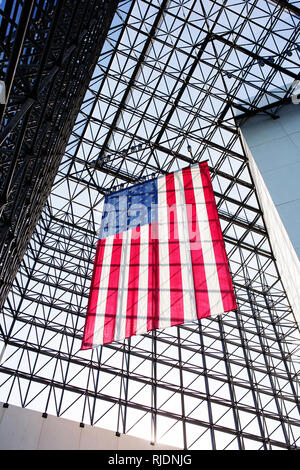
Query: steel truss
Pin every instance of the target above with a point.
(168, 81)
(48, 50)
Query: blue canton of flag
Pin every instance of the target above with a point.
(129, 208)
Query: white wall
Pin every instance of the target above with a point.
(275, 146)
(287, 261)
(24, 429)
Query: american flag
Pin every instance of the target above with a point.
(160, 259)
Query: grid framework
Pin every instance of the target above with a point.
(168, 82)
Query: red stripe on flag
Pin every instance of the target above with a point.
(200, 285)
(133, 283)
(153, 279)
(112, 290)
(228, 298)
(87, 341)
(176, 296)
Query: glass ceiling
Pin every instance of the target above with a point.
(170, 80)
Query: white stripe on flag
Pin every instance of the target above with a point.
(212, 279)
(163, 249)
(141, 326)
(190, 313)
(102, 297)
(120, 324)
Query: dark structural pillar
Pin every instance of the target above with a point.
(48, 54)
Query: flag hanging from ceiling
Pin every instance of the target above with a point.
(160, 259)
